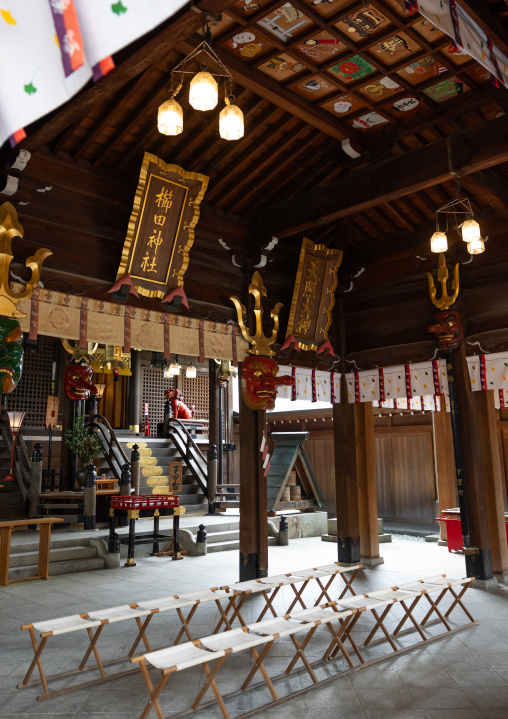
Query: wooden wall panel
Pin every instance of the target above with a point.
(382, 447)
(406, 488)
(320, 453)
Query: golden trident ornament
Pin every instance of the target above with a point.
(446, 300)
(9, 228)
(260, 345)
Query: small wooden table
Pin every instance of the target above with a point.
(44, 542)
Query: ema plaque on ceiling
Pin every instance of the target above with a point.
(160, 234)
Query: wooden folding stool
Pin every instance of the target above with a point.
(174, 659)
(281, 627)
(399, 596)
(326, 616)
(96, 620)
(333, 571)
(239, 593)
(364, 603)
(431, 585)
(189, 599)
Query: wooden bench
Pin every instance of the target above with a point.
(6, 528)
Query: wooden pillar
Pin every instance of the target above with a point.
(346, 486)
(444, 463)
(213, 403)
(134, 405)
(493, 480)
(366, 476)
(253, 501)
(474, 440)
(66, 409)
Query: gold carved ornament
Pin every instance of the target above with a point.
(260, 344)
(10, 228)
(445, 301)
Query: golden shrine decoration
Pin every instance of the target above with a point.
(313, 300)
(445, 301)
(10, 228)
(160, 234)
(260, 344)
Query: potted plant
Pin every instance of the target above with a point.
(83, 443)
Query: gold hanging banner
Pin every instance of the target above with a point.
(310, 316)
(160, 235)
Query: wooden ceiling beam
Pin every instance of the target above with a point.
(491, 186)
(289, 165)
(425, 167)
(251, 135)
(268, 158)
(174, 30)
(231, 183)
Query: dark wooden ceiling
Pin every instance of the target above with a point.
(308, 75)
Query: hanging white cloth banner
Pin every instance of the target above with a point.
(49, 50)
(449, 17)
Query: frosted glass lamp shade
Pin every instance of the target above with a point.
(231, 122)
(203, 92)
(476, 247)
(190, 372)
(174, 369)
(170, 117)
(438, 242)
(471, 231)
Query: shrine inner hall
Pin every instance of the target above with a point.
(254, 359)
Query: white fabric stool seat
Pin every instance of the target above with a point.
(181, 656)
(320, 615)
(118, 614)
(164, 604)
(234, 639)
(205, 595)
(279, 625)
(395, 594)
(362, 602)
(65, 624)
(281, 579)
(337, 568)
(251, 585)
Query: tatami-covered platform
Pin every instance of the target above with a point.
(464, 676)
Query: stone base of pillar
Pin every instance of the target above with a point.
(372, 561)
(501, 577)
(491, 583)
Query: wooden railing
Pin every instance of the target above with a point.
(189, 452)
(113, 450)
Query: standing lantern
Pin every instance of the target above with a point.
(15, 421)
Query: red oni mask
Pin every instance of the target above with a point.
(259, 382)
(78, 382)
(179, 408)
(448, 330)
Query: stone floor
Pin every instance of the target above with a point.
(464, 676)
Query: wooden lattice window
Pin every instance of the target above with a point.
(194, 391)
(31, 394)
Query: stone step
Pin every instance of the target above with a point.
(216, 537)
(57, 542)
(67, 567)
(232, 544)
(22, 559)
